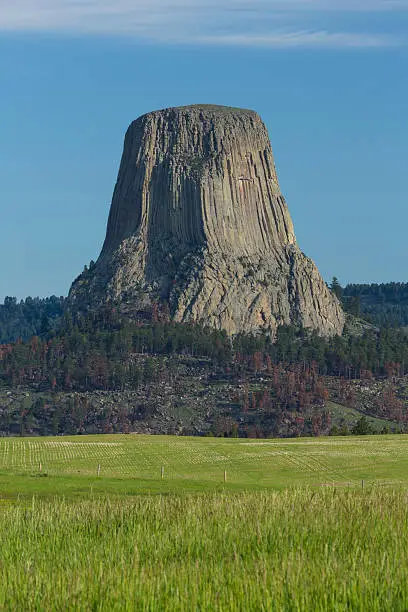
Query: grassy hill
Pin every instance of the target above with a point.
(344, 416)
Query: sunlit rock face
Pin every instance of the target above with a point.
(198, 221)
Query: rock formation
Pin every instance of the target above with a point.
(198, 221)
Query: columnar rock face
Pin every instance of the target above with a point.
(198, 222)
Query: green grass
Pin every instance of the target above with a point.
(131, 464)
(291, 529)
(293, 550)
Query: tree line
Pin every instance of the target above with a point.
(384, 304)
(29, 317)
(94, 351)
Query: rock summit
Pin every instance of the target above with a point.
(198, 223)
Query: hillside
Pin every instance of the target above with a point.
(102, 374)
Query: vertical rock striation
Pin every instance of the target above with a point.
(198, 220)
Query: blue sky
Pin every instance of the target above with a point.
(328, 77)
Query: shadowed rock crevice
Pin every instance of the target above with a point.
(198, 219)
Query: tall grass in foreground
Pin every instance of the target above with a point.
(291, 550)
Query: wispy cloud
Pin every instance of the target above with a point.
(293, 39)
(268, 23)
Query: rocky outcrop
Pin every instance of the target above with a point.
(198, 221)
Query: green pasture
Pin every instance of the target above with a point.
(294, 550)
(132, 464)
(292, 528)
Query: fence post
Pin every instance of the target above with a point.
(40, 466)
(225, 475)
(99, 469)
(162, 473)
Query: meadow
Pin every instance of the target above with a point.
(132, 464)
(305, 524)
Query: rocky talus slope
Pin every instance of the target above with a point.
(198, 221)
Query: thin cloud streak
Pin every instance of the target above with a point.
(205, 22)
(295, 39)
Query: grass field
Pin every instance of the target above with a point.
(131, 464)
(291, 529)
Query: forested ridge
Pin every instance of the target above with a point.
(100, 372)
(94, 352)
(29, 317)
(381, 304)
